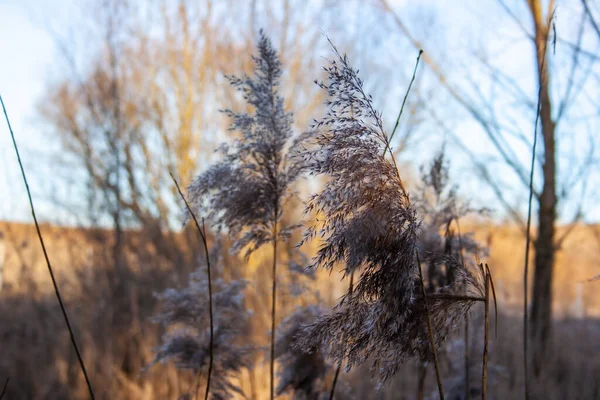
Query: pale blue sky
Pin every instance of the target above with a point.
(27, 55)
(29, 60)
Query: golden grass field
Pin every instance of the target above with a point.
(112, 317)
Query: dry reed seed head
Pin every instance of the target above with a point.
(245, 191)
(185, 315)
(442, 248)
(367, 224)
(302, 371)
(436, 199)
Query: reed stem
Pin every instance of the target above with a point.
(47, 258)
(430, 332)
(339, 367)
(202, 232)
(486, 335)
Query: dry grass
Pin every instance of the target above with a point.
(111, 312)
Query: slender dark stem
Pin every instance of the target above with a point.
(406, 198)
(49, 265)
(4, 388)
(335, 379)
(453, 297)
(274, 303)
(528, 233)
(460, 243)
(430, 331)
(467, 366)
(495, 301)
(210, 311)
(467, 369)
(339, 367)
(403, 102)
(486, 336)
(202, 232)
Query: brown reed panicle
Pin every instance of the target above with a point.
(245, 192)
(185, 315)
(369, 225)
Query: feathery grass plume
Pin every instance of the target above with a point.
(185, 314)
(302, 371)
(246, 191)
(368, 224)
(438, 204)
(436, 199)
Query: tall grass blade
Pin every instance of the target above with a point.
(528, 231)
(202, 232)
(403, 102)
(46, 257)
(430, 332)
(4, 388)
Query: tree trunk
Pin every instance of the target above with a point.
(541, 306)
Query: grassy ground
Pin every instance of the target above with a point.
(112, 313)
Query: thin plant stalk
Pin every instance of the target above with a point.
(47, 258)
(404, 101)
(350, 290)
(4, 388)
(339, 367)
(467, 369)
(454, 297)
(486, 335)
(430, 332)
(406, 198)
(202, 232)
(528, 231)
(274, 303)
(493, 290)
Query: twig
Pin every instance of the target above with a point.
(403, 102)
(274, 300)
(591, 17)
(495, 301)
(49, 265)
(202, 232)
(339, 367)
(4, 388)
(430, 331)
(486, 335)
